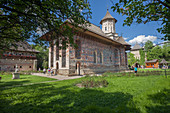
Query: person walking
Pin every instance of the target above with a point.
(44, 70)
(39, 69)
(49, 71)
(136, 70)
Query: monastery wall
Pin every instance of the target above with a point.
(108, 56)
(23, 64)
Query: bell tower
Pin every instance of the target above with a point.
(108, 25)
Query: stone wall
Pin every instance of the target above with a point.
(89, 45)
(23, 64)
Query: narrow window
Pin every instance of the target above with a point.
(63, 58)
(95, 59)
(78, 49)
(116, 57)
(105, 28)
(110, 59)
(52, 52)
(57, 53)
(120, 57)
(101, 58)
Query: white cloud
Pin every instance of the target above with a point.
(142, 39)
(125, 38)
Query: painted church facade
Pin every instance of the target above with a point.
(99, 50)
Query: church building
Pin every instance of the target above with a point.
(135, 50)
(99, 51)
(24, 57)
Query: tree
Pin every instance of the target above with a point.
(26, 19)
(131, 59)
(42, 56)
(155, 53)
(144, 11)
(166, 51)
(142, 57)
(148, 46)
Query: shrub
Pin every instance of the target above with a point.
(87, 76)
(90, 83)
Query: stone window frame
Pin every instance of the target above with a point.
(95, 57)
(101, 57)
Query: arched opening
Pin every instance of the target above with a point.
(57, 66)
(78, 68)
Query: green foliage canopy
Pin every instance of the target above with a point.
(166, 51)
(144, 11)
(131, 59)
(27, 19)
(142, 57)
(42, 56)
(148, 45)
(155, 53)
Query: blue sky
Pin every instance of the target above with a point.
(133, 33)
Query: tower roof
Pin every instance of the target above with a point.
(163, 62)
(108, 16)
(136, 47)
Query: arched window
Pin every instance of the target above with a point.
(110, 59)
(116, 57)
(95, 57)
(101, 58)
(105, 28)
(120, 57)
(78, 49)
(63, 58)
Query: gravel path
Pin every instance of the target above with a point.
(58, 77)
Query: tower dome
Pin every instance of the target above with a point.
(108, 25)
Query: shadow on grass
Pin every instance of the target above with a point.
(162, 101)
(13, 83)
(45, 98)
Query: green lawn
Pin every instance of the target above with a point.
(7, 80)
(149, 69)
(126, 94)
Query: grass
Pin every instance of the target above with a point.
(7, 80)
(150, 69)
(125, 94)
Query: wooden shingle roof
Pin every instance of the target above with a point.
(108, 16)
(136, 47)
(163, 61)
(152, 61)
(23, 46)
